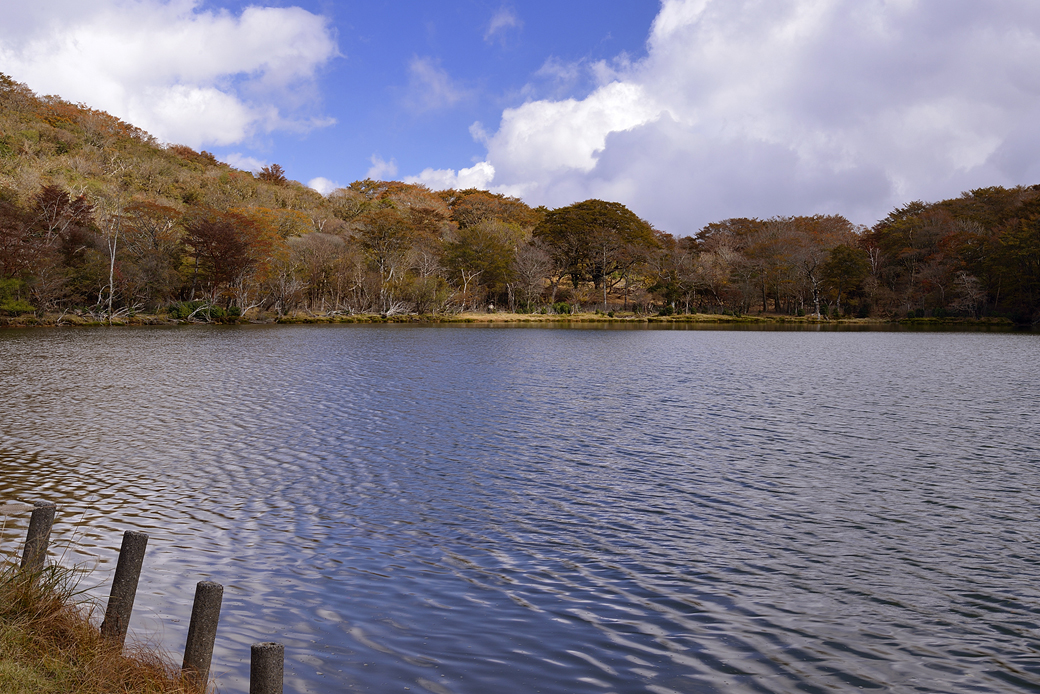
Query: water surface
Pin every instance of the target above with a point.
(450, 509)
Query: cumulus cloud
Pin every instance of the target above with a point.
(548, 136)
(477, 176)
(185, 74)
(748, 107)
(381, 170)
(244, 162)
(505, 18)
(323, 185)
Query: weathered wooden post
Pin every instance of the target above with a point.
(266, 663)
(40, 523)
(202, 632)
(124, 587)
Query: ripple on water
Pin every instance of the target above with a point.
(458, 510)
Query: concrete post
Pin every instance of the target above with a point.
(266, 665)
(124, 587)
(202, 632)
(40, 523)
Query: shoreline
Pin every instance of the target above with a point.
(54, 320)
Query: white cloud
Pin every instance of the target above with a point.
(504, 19)
(748, 107)
(430, 86)
(381, 170)
(477, 176)
(323, 185)
(546, 136)
(185, 74)
(244, 162)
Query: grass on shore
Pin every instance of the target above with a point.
(49, 643)
(499, 317)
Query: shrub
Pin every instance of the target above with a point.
(10, 304)
(49, 644)
(561, 307)
(183, 309)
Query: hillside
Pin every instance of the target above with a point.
(100, 220)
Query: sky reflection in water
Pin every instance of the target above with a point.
(460, 510)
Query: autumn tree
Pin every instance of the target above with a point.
(532, 265)
(472, 206)
(110, 224)
(813, 238)
(14, 241)
(219, 246)
(482, 255)
(1016, 249)
(844, 270)
(595, 240)
(60, 246)
(273, 174)
(151, 238)
(730, 266)
(385, 236)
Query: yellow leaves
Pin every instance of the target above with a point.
(284, 222)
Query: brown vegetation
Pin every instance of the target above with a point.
(49, 643)
(100, 222)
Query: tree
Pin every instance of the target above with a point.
(595, 239)
(482, 254)
(110, 226)
(59, 240)
(814, 237)
(219, 243)
(14, 251)
(729, 265)
(1017, 252)
(151, 240)
(845, 269)
(385, 236)
(472, 206)
(970, 294)
(273, 174)
(531, 266)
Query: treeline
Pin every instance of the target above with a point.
(98, 218)
(973, 256)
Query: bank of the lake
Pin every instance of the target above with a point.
(49, 643)
(501, 317)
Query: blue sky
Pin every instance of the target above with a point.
(687, 111)
(379, 94)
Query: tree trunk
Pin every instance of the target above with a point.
(112, 272)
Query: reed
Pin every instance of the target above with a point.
(50, 642)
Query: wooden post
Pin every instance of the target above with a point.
(202, 632)
(124, 587)
(266, 664)
(40, 523)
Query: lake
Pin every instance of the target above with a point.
(558, 510)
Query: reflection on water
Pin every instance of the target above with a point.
(459, 510)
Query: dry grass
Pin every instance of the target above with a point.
(50, 644)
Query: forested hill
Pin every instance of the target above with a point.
(100, 219)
